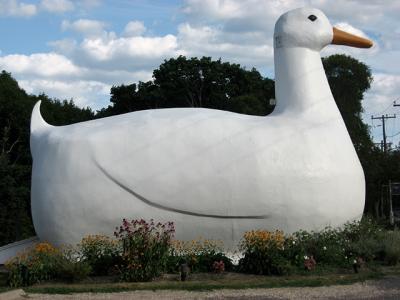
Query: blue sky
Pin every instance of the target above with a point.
(79, 49)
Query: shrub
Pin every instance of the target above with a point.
(274, 253)
(391, 247)
(34, 265)
(71, 267)
(264, 253)
(363, 239)
(45, 262)
(101, 253)
(73, 270)
(200, 254)
(367, 227)
(145, 248)
(325, 246)
(368, 248)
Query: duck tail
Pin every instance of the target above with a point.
(38, 127)
(38, 124)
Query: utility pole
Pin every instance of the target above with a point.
(383, 118)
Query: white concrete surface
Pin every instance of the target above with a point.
(10, 250)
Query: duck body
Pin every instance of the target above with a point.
(213, 173)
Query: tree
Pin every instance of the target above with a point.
(182, 82)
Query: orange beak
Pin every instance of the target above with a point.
(341, 37)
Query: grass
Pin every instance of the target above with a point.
(208, 282)
(3, 278)
(3, 282)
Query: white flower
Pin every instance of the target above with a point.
(345, 257)
(294, 242)
(354, 261)
(305, 257)
(324, 248)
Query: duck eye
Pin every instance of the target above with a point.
(312, 17)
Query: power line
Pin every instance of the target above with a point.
(390, 136)
(393, 102)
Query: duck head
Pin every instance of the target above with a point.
(310, 28)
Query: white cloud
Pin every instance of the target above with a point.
(65, 46)
(60, 78)
(84, 93)
(85, 27)
(110, 52)
(40, 64)
(127, 52)
(134, 28)
(57, 6)
(379, 100)
(384, 90)
(208, 41)
(89, 3)
(17, 9)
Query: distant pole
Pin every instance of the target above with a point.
(391, 216)
(383, 118)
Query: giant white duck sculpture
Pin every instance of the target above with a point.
(213, 173)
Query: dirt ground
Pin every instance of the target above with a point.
(388, 288)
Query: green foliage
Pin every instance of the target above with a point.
(35, 265)
(72, 270)
(326, 247)
(264, 253)
(101, 253)
(391, 247)
(199, 254)
(145, 248)
(275, 253)
(44, 262)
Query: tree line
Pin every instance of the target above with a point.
(177, 82)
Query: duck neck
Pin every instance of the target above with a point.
(300, 80)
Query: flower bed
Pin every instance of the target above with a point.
(143, 250)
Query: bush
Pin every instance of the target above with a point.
(391, 247)
(274, 253)
(145, 248)
(101, 253)
(73, 270)
(200, 254)
(71, 267)
(45, 262)
(363, 240)
(325, 246)
(34, 265)
(367, 227)
(264, 253)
